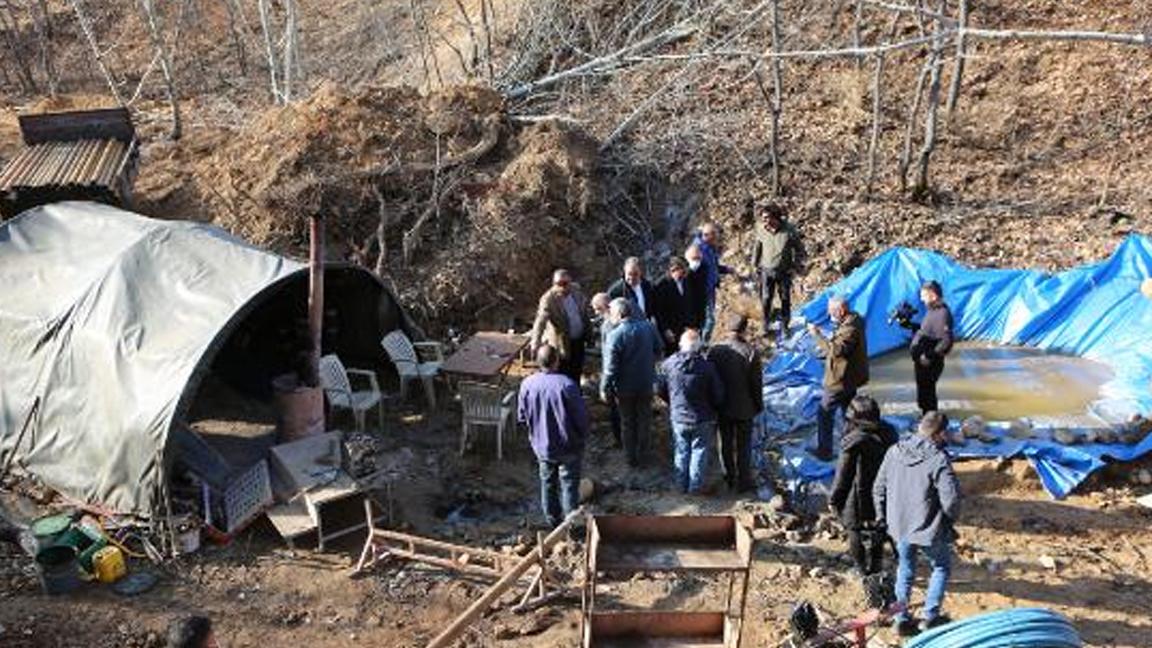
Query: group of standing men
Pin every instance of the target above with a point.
(652, 341)
(905, 490)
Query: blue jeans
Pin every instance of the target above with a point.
(940, 557)
(559, 489)
(692, 453)
(831, 404)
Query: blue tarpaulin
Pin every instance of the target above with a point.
(1094, 311)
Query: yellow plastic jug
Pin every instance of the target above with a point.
(108, 563)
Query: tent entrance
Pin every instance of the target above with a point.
(999, 383)
(233, 408)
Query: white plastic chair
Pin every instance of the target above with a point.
(486, 405)
(409, 365)
(337, 385)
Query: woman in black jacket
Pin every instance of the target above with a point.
(866, 439)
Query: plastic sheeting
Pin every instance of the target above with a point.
(105, 316)
(1095, 311)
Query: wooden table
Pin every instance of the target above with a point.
(486, 355)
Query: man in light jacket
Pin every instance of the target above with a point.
(917, 496)
(845, 369)
(778, 255)
(562, 322)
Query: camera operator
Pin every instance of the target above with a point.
(932, 341)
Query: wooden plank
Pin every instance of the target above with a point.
(107, 123)
(510, 578)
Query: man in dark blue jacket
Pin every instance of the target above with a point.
(708, 241)
(917, 495)
(692, 387)
(630, 356)
(552, 408)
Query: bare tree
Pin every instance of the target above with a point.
(775, 100)
(290, 49)
(9, 25)
(877, 103)
(936, 62)
(97, 53)
(237, 26)
(269, 51)
(961, 52)
(163, 56)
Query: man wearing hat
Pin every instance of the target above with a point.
(932, 341)
(738, 365)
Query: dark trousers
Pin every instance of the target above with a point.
(770, 285)
(635, 424)
(614, 420)
(559, 489)
(832, 403)
(867, 549)
(926, 379)
(573, 365)
(735, 454)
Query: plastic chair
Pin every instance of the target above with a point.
(410, 366)
(337, 385)
(488, 405)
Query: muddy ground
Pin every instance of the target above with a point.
(1087, 557)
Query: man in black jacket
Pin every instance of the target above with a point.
(635, 288)
(739, 368)
(697, 287)
(866, 439)
(932, 341)
(673, 306)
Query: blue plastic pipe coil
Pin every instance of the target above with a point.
(1032, 627)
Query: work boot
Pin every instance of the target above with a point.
(935, 622)
(906, 627)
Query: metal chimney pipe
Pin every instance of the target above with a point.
(315, 295)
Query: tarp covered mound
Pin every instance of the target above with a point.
(1095, 311)
(108, 317)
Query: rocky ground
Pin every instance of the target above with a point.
(1086, 557)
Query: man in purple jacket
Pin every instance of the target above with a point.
(552, 408)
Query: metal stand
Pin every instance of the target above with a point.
(716, 545)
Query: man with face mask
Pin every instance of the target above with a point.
(845, 368)
(707, 240)
(917, 496)
(697, 288)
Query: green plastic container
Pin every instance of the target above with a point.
(48, 530)
(85, 541)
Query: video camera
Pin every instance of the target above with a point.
(902, 314)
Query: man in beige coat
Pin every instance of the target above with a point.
(562, 322)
